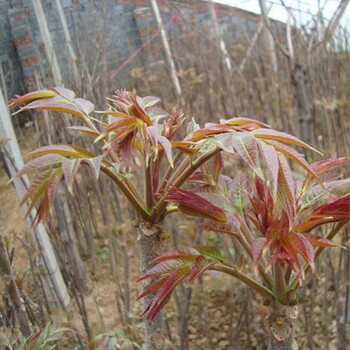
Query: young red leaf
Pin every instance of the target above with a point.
(210, 131)
(141, 111)
(199, 266)
(39, 163)
(84, 105)
(230, 227)
(224, 141)
(161, 268)
(150, 101)
(192, 204)
(182, 254)
(163, 295)
(317, 240)
(42, 191)
(70, 168)
(185, 146)
(329, 164)
(152, 287)
(286, 188)
(167, 147)
(56, 104)
(269, 134)
(257, 249)
(35, 95)
(294, 156)
(302, 245)
(36, 187)
(63, 150)
(84, 130)
(316, 192)
(245, 123)
(272, 163)
(66, 93)
(95, 165)
(330, 212)
(247, 147)
(191, 253)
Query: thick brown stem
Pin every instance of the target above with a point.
(280, 324)
(149, 241)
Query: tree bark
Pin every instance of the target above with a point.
(150, 247)
(301, 88)
(280, 324)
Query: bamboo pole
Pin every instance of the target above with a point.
(45, 33)
(14, 161)
(166, 47)
(225, 55)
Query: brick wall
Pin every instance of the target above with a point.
(105, 33)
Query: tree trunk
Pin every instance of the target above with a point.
(280, 324)
(150, 247)
(300, 85)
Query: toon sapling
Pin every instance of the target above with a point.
(142, 153)
(277, 225)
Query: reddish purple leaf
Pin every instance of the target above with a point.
(161, 268)
(163, 295)
(167, 147)
(70, 168)
(66, 93)
(246, 123)
(294, 156)
(271, 160)
(286, 188)
(95, 165)
(302, 245)
(329, 164)
(317, 240)
(257, 249)
(150, 101)
(56, 104)
(230, 227)
(40, 162)
(192, 204)
(247, 147)
(63, 150)
(269, 134)
(84, 105)
(152, 287)
(214, 129)
(330, 212)
(35, 95)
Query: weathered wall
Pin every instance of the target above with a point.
(9, 60)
